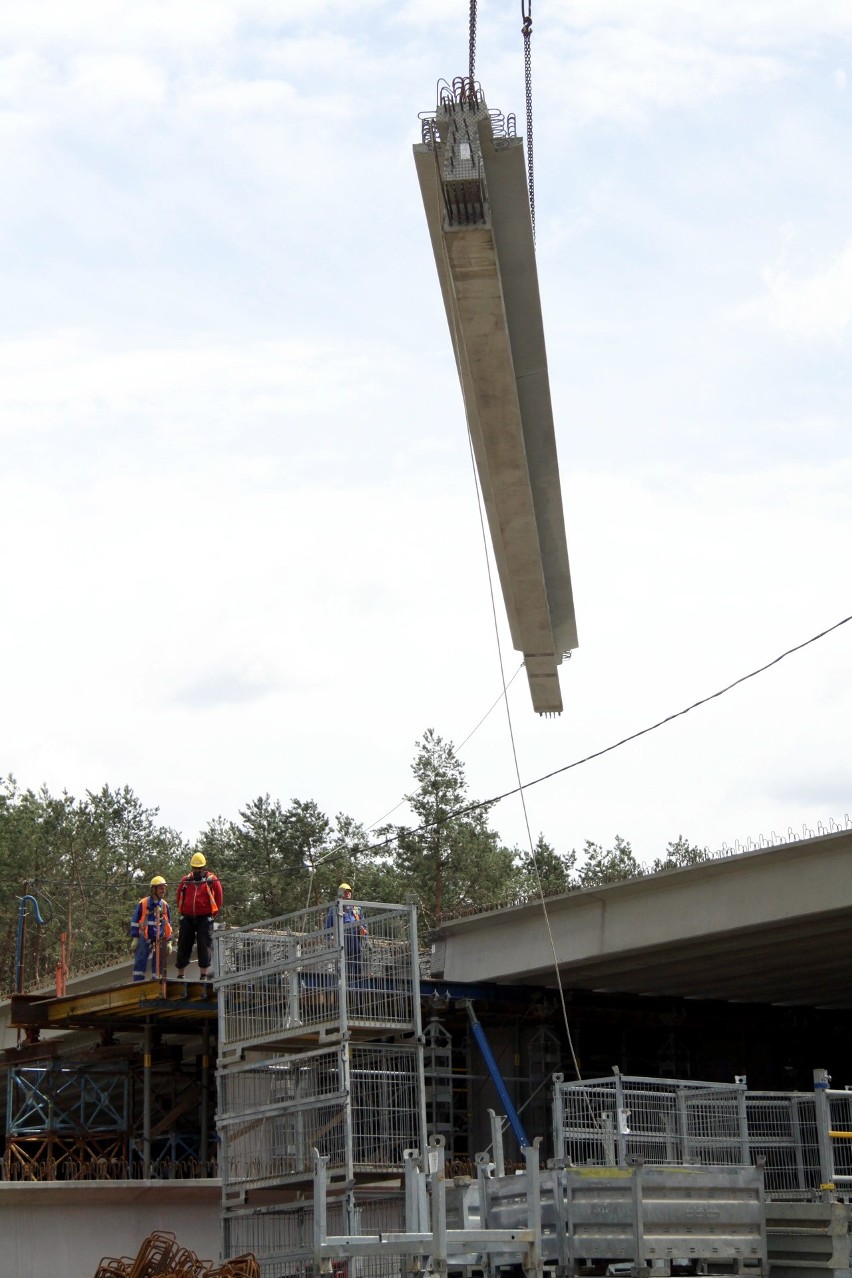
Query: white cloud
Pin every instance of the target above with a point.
(241, 545)
(813, 307)
(623, 74)
(768, 23)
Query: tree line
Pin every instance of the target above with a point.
(88, 862)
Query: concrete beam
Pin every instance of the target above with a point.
(474, 194)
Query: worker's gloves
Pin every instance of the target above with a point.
(133, 944)
(170, 947)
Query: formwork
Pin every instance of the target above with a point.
(84, 1120)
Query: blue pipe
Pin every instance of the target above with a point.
(19, 946)
(497, 1079)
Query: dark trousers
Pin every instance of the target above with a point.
(195, 929)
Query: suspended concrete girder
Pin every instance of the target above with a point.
(475, 194)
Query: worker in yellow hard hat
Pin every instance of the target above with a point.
(354, 929)
(151, 929)
(199, 900)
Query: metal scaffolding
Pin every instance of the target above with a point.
(81, 1120)
(320, 1053)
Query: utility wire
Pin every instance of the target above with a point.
(597, 754)
(548, 776)
(473, 730)
(506, 687)
(520, 790)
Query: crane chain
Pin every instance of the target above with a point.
(526, 30)
(471, 63)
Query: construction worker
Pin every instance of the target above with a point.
(199, 900)
(151, 928)
(354, 929)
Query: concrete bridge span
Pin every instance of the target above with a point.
(769, 926)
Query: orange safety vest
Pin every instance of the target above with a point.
(188, 881)
(144, 924)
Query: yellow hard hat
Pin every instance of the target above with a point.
(345, 887)
(198, 859)
(158, 881)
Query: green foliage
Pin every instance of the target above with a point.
(680, 853)
(609, 865)
(549, 872)
(449, 862)
(88, 861)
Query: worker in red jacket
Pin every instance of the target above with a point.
(199, 900)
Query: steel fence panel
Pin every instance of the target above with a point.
(782, 1130)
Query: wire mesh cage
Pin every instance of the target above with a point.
(782, 1130)
(840, 1137)
(282, 1237)
(609, 1121)
(318, 970)
(357, 1105)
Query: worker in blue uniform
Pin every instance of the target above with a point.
(354, 930)
(151, 928)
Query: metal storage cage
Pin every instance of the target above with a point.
(282, 1237)
(358, 1105)
(782, 1129)
(803, 1140)
(713, 1216)
(607, 1121)
(311, 972)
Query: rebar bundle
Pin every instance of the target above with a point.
(161, 1256)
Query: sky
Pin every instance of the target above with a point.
(241, 542)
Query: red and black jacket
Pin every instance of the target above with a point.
(199, 898)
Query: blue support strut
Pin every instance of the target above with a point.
(497, 1078)
(19, 945)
